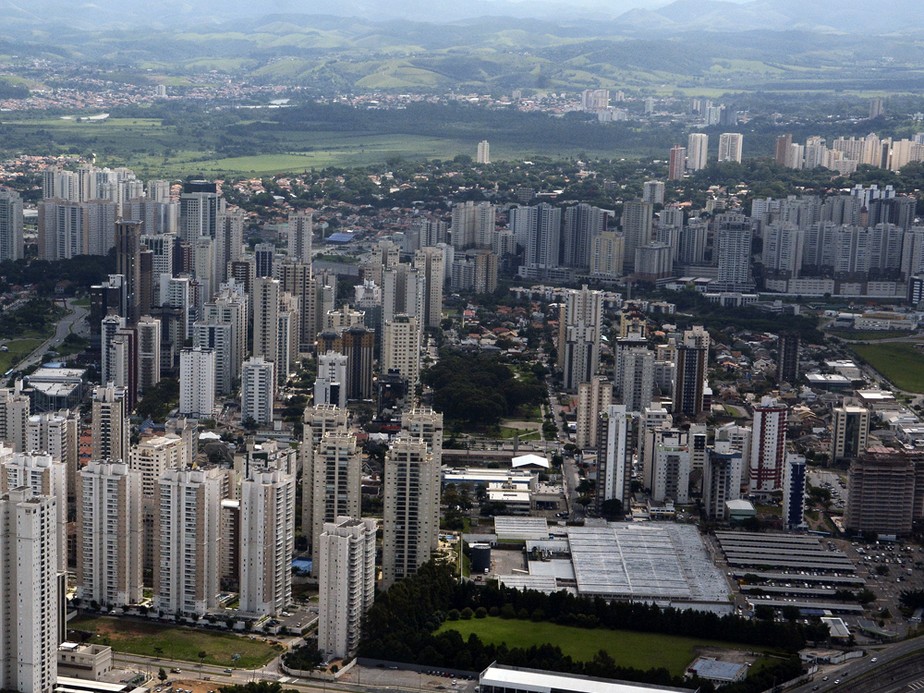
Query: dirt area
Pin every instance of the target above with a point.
(736, 656)
(189, 685)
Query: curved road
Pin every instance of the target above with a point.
(64, 327)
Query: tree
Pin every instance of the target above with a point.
(161, 675)
(611, 509)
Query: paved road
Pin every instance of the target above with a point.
(896, 667)
(72, 322)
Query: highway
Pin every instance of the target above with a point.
(72, 322)
(897, 668)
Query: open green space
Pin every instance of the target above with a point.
(18, 350)
(176, 642)
(628, 648)
(868, 335)
(902, 363)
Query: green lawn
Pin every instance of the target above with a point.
(18, 350)
(176, 642)
(628, 648)
(869, 335)
(901, 362)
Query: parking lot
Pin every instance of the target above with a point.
(432, 680)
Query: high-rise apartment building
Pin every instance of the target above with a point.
(594, 397)
(11, 220)
(149, 339)
(787, 359)
(614, 456)
(768, 447)
(401, 347)
(266, 297)
(849, 432)
(653, 192)
(336, 489)
(128, 264)
(197, 382)
(883, 492)
(731, 145)
(15, 408)
(56, 434)
(721, 480)
(483, 154)
(229, 243)
(109, 544)
(346, 583)
(425, 423)
(257, 390)
(637, 219)
(580, 327)
(635, 379)
(697, 151)
(267, 528)
(29, 594)
(317, 420)
(110, 424)
(794, 492)
(200, 205)
(608, 255)
(300, 230)
(411, 513)
(330, 386)
(677, 161)
(538, 230)
(429, 262)
(733, 250)
(357, 344)
(689, 377)
(582, 224)
(186, 541)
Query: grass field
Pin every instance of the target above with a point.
(176, 642)
(18, 350)
(902, 363)
(628, 648)
(867, 336)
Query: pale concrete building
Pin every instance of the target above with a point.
(401, 347)
(197, 382)
(257, 390)
(337, 481)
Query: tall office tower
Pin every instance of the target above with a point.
(200, 205)
(266, 318)
(608, 255)
(637, 217)
(264, 255)
(336, 488)
(401, 347)
(787, 360)
(109, 545)
(45, 476)
(11, 243)
(300, 230)
(330, 386)
(850, 429)
(357, 344)
(733, 249)
(411, 513)
(151, 457)
(721, 480)
(296, 279)
(29, 595)
(538, 229)
(197, 382)
(186, 542)
(653, 192)
(671, 469)
(582, 224)
(677, 161)
(56, 434)
(257, 390)
(697, 151)
(579, 336)
(229, 241)
(794, 492)
(768, 447)
(149, 339)
(15, 408)
(346, 584)
(128, 263)
(689, 377)
(730, 146)
(783, 146)
(110, 428)
(62, 230)
(635, 379)
(267, 541)
(288, 335)
(884, 493)
(614, 457)
(594, 397)
(429, 262)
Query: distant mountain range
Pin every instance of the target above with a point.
(632, 17)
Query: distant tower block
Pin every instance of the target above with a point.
(484, 152)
